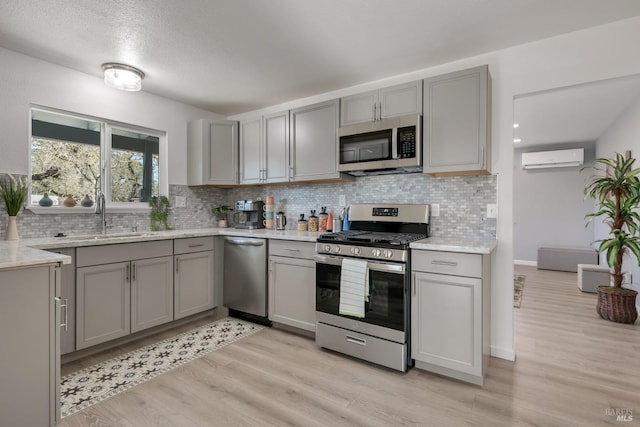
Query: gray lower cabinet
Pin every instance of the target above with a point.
(292, 278)
(30, 355)
(314, 142)
(450, 314)
(151, 292)
(103, 310)
(68, 302)
(121, 289)
(457, 123)
(194, 276)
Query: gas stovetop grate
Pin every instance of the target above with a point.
(361, 236)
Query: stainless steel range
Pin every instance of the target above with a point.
(363, 282)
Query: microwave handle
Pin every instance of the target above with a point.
(394, 143)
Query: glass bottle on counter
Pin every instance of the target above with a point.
(302, 223)
(322, 222)
(313, 221)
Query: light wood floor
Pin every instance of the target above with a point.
(571, 368)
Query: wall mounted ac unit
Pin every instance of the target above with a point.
(553, 159)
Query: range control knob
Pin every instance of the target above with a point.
(336, 250)
(327, 248)
(355, 251)
(388, 254)
(375, 252)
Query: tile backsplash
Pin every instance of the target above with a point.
(462, 200)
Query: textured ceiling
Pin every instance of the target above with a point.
(239, 55)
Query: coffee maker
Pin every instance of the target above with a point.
(248, 214)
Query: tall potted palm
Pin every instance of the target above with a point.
(617, 192)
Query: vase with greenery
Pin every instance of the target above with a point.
(220, 213)
(14, 193)
(616, 190)
(159, 215)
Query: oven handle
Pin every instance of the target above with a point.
(372, 265)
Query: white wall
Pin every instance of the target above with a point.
(623, 135)
(25, 80)
(549, 206)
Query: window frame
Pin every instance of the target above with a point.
(106, 128)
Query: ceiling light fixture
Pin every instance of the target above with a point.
(123, 77)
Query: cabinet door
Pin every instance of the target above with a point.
(29, 394)
(401, 100)
(292, 292)
(314, 142)
(221, 153)
(456, 122)
(68, 299)
(446, 326)
(276, 147)
(151, 292)
(103, 303)
(251, 166)
(212, 152)
(359, 108)
(193, 285)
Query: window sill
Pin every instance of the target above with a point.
(62, 210)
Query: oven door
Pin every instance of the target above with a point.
(387, 308)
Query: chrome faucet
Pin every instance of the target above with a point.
(101, 208)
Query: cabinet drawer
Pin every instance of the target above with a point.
(453, 263)
(107, 254)
(292, 249)
(192, 244)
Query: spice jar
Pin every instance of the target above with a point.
(313, 221)
(302, 223)
(322, 222)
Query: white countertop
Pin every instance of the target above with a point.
(470, 246)
(28, 252)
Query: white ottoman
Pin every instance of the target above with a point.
(591, 276)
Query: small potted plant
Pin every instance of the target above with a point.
(617, 193)
(159, 213)
(14, 192)
(220, 213)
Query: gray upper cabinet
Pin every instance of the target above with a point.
(314, 142)
(393, 101)
(457, 123)
(264, 149)
(212, 152)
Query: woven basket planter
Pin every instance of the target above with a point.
(617, 304)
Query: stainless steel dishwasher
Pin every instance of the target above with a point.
(245, 275)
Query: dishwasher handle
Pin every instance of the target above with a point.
(244, 242)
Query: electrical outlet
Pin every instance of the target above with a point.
(435, 209)
(342, 200)
(181, 202)
(492, 210)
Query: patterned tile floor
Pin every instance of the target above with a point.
(86, 387)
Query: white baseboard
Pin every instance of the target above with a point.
(503, 353)
(523, 262)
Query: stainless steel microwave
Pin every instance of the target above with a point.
(390, 145)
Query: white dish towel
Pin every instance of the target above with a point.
(354, 287)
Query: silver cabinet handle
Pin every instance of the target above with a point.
(133, 271)
(413, 283)
(128, 272)
(380, 111)
(374, 111)
(65, 322)
(292, 249)
(443, 262)
(177, 265)
(355, 340)
(196, 245)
